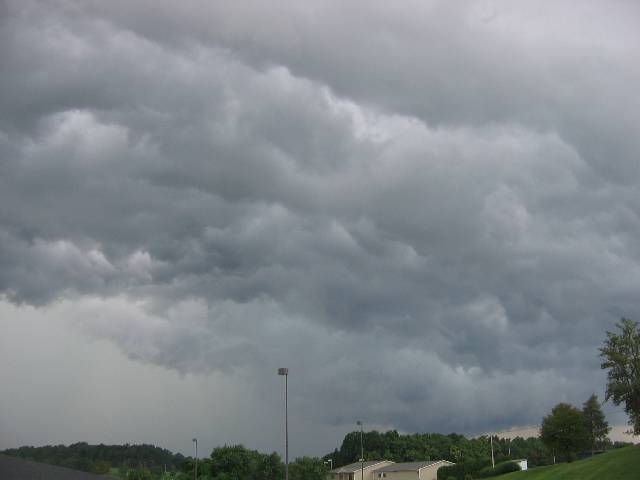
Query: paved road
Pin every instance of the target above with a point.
(13, 468)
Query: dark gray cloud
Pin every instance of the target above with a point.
(426, 207)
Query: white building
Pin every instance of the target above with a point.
(355, 471)
(411, 470)
(522, 462)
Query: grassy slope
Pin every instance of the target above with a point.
(621, 464)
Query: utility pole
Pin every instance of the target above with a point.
(361, 452)
(493, 463)
(285, 372)
(195, 440)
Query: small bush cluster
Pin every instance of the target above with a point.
(500, 469)
(460, 470)
(475, 469)
(139, 474)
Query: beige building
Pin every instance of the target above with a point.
(356, 472)
(411, 470)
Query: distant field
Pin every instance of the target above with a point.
(621, 464)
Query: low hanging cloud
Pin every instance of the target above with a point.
(424, 207)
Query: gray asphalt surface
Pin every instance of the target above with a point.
(13, 468)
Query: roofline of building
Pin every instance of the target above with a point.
(339, 469)
(418, 469)
(435, 463)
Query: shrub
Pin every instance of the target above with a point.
(139, 474)
(102, 467)
(459, 470)
(500, 469)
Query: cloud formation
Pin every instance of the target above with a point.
(426, 207)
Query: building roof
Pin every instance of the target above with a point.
(355, 467)
(410, 466)
(15, 468)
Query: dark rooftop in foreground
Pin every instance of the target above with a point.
(15, 468)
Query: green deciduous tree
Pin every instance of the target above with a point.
(307, 468)
(563, 430)
(595, 422)
(268, 467)
(140, 473)
(235, 462)
(621, 354)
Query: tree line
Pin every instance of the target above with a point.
(453, 447)
(102, 458)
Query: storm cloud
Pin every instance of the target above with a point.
(419, 209)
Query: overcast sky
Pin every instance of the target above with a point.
(427, 210)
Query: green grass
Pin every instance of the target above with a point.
(620, 464)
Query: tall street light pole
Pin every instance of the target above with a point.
(361, 452)
(285, 372)
(195, 440)
(493, 463)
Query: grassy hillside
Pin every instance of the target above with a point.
(620, 464)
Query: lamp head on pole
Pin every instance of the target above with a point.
(283, 371)
(359, 423)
